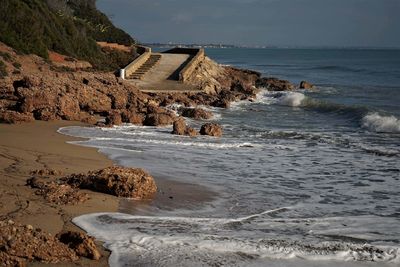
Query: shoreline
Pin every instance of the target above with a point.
(38, 145)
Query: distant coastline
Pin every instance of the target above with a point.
(212, 45)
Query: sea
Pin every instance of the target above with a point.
(302, 178)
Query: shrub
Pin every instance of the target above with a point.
(67, 27)
(6, 56)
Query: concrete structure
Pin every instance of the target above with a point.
(164, 72)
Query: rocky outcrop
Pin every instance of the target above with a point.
(306, 85)
(57, 193)
(23, 243)
(196, 113)
(157, 116)
(274, 84)
(38, 91)
(180, 128)
(211, 129)
(82, 244)
(117, 181)
(9, 116)
(114, 118)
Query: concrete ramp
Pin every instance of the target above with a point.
(164, 76)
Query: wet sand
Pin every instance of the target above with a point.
(33, 146)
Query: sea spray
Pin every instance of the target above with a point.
(384, 124)
(292, 99)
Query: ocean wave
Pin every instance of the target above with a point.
(185, 241)
(381, 124)
(291, 99)
(178, 143)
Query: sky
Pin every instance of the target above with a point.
(339, 23)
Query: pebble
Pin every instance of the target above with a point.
(29, 227)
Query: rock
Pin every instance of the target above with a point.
(274, 84)
(211, 129)
(179, 127)
(86, 118)
(196, 113)
(45, 115)
(9, 116)
(23, 243)
(191, 132)
(57, 193)
(114, 118)
(81, 243)
(159, 119)
(132, 117)
(45, 172)
(117, 181)
(306, 85)
(68, 108)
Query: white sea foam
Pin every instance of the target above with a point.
(292, 99)
(173, 142)
(184, 241)
(384, 124)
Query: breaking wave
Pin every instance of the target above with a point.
(383, 124)
(292, 99)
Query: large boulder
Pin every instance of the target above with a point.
(211, 129)
(117, 181)
(274, 84)
(196, 113)
(159, 119)
(180, 128)
(306, 85)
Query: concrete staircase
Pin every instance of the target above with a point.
(146, 67)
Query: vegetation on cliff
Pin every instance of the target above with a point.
(69, 27)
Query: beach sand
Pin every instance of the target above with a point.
(38, 145)
(33, 146)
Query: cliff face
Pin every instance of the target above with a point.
(67, 27)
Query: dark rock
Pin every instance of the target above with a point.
(159, 119)
(81, 243)
(274, 84)
(306, 85)
(117, 181)
(132, 117)
(196, 113)
(179, 127)
(114, 118)
(211, 129)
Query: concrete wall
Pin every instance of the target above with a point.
(145, 53)
(187, 71)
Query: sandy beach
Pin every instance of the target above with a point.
(33, 146)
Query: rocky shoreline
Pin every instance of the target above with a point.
(36, 91)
